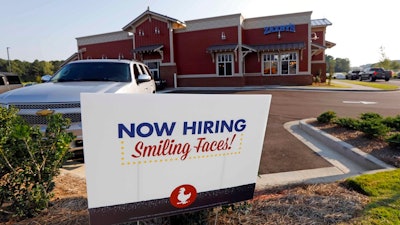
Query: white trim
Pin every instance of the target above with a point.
(279, 72)
(233, 57)
(241, 57)
(171, 43)
(309, 41)
(168, 64)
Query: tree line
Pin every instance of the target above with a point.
(343, 65)
(30, 72)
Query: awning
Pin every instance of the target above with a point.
(317, 49)
(222, 48)
(148, 49)
(329, 44)
(279, 47)
(229, 48)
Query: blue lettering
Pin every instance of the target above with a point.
(210, 127)
(224, 125)
(240, 125)
(122, 128)
(186, 128)
(164, 127)
(145, 129)
(280, 28)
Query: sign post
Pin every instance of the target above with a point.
(158, 155)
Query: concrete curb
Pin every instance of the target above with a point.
(344, 148)
(347, 160)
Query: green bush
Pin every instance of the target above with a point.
(373, 128)
(394, 140)
(349, 123)
(326, 117)
(392, 122)
(370, 116)
(29, 160)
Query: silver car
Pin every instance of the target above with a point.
(61, 94)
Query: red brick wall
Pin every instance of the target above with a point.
(190, 49)
(319, 41)
(212, 82)
(151, 38)
(167, 73)
(257, 37)
(319, 68)
(110, 50)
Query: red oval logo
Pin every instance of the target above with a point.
(183, 196)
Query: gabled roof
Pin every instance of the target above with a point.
(320, 23)
(177, 23)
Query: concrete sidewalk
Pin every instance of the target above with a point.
(346, 160)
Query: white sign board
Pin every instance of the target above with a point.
(156, 155)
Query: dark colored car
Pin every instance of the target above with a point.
(353, 75)
(374, 73)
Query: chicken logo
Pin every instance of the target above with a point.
(183, 196)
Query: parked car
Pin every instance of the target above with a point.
(339, 76)
(61, 94)
(374, 73)
(9, 81)
(353, 75)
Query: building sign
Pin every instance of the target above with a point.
(159, 155)
(280, 28)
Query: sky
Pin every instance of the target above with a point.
(47, 29)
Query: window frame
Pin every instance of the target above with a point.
(292, 63)
(231, 61)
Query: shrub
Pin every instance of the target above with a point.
(29, 160)
(370, 116)
(394, 140)
(349, 123)
(373, 128)
(326, 117)
(392, 122)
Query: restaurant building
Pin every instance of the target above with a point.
(223, 51)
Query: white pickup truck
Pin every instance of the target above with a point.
(61, 94)
(9, 81)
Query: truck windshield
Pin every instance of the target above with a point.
(93, 71)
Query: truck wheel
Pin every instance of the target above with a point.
(371, 79)
(360, 78)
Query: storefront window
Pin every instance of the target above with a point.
(285, 63)
(270, 63)
(225, 64)
(154, 67)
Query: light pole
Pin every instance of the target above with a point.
(9, 63)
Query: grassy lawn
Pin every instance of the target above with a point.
(383, 188)
(382, 86)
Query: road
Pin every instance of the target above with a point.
(282, 152)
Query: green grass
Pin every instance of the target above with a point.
(388, 87)
(384, 191)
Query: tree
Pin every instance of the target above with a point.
(384, 60)
(342, 65)
(31, 71)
